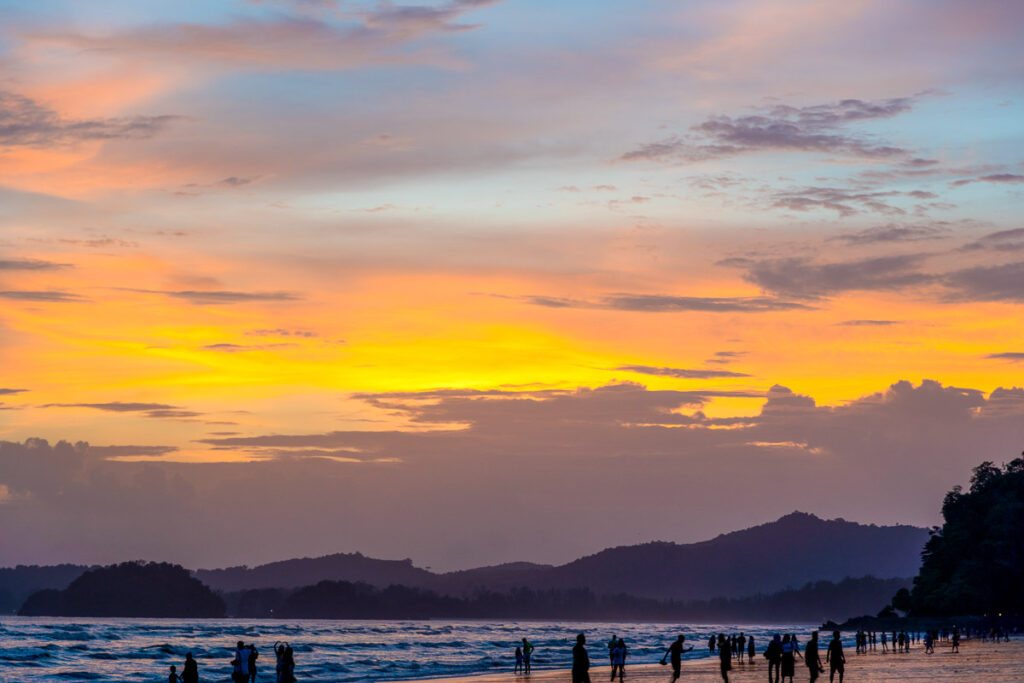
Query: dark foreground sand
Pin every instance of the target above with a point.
(977, 661)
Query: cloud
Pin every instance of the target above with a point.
(1004, 240)
(344, 40)
(7, 392)
(801, 278)
(281, 332)
(41, 297)
(1007, 355)
(452, 491)
(211, 297)
(680, 372)
(27, 123)
(781, 128)
(238, 348)
(999, 178)
(30, 264)
(156, 410)
(987, 283)
(869, 323)
(663, 303)
(893, 233)
(849, 203)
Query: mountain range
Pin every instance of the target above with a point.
(788, 553)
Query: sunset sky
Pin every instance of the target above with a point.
(481, 281)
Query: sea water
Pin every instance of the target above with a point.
(35, 650)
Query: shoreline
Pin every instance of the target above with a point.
(976, 661)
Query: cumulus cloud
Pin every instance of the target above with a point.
(816, 129)
(655, 452)
(27, 123)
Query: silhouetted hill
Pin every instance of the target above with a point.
(17, 583)
(306, 571)
(130, 589)
(788, 552)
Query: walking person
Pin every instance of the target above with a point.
(773, 653)
(725, 663)
(618, 654)
(812, 659)
(580, 660)
(675, 653)
(835, 658)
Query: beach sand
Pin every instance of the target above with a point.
(976, 661)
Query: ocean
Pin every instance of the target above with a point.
(37, 650)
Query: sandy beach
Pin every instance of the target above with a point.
(976, 661)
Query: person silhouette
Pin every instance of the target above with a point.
(725, 663)
(519, 660)
(835, 658)
(773, 653)
(253, 656)
(173, 677)
(811, 657)
(611, 646)
(580, 660)
(750, 650)
(675, 653)
(527, 654)
(190, 672)
(619, 659)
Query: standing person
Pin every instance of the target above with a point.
(711, 644)
(618, 659)
(773, 653)
(240, 664)
(253, 656)
(742, 641)
(750, 650)
(611, 646)
(190, 672)
(519, 660)
(289, 665)
(811, 657)
(527, 653)
(279, 655)
(580, 661)
(173, 677)
(789, 655)
(956, 640)
(675, 652)
(725, 663)
(835, 658)
(885, 643)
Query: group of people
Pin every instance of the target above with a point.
(243, 665)
(781, 653)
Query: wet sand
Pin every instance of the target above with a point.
(977, 661)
